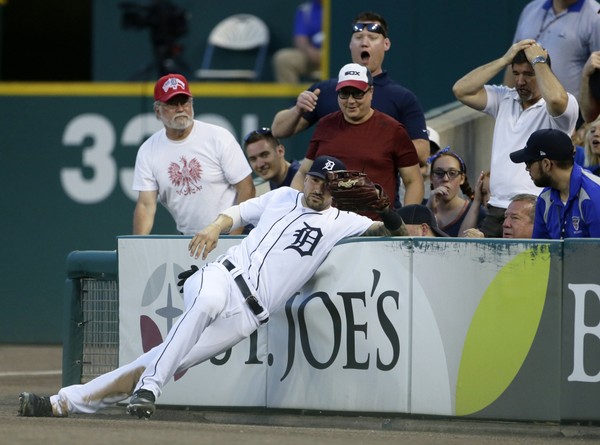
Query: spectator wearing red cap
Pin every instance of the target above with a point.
(193, 168)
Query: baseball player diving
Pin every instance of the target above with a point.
(228, 299)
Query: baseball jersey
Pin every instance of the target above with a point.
(579, 217)
(194, 177)
(289, 242)
(389, 97)
(512, 128)
(377, 147)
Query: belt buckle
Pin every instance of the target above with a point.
(252, 301)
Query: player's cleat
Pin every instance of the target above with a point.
(34, 406)
(141, 404)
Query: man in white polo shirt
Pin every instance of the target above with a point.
(537, 101)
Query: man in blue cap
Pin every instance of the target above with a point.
(569, 205)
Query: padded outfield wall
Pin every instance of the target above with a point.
(474, 328)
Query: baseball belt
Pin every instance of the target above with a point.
(249, 298)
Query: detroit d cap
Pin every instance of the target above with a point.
(419, 214)
(171, 85)
(324, 164)
(354, 75)
(547, 143)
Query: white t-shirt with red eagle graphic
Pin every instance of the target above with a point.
(194, 177)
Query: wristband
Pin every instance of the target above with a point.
(234, 213)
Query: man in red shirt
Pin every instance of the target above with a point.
(365, 139)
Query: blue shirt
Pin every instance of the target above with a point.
(388, 96)
(578, 218)
(293, 168)
(307, 22)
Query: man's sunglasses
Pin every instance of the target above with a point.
(260, 131)
(263, 131)
(356, 94)
(371, 27)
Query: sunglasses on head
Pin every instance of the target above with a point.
(264, 131)
(371, 27)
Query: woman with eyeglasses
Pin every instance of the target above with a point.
(451, 195)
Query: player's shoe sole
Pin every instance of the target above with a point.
(141, 404)
(31, 405)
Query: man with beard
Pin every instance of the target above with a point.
(368, 44)
(537, 101)
(193, 168)
(569, 205)
(229, 298)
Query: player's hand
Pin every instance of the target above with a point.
(204, 241)
(307, 101)
(183, 276)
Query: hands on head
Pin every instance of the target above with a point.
(531, 47)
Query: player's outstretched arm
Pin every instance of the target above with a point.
(206, 240)
(392, 225)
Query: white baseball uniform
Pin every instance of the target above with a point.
(283, 251)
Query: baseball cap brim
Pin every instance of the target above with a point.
(171, 94)
(362, 86)
(522, 155)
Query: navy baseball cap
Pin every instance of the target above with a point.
(547, 143)
(324, 164)
(419, 214)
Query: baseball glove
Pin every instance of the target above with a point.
(354, 191)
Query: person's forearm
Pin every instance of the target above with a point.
(471, 218)
(414, 193)
(551, 89)
(143, 220)
(472, 82)
(286, 122)
(589, 105)
(422, 148)
(224, 222)
(298, 181)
